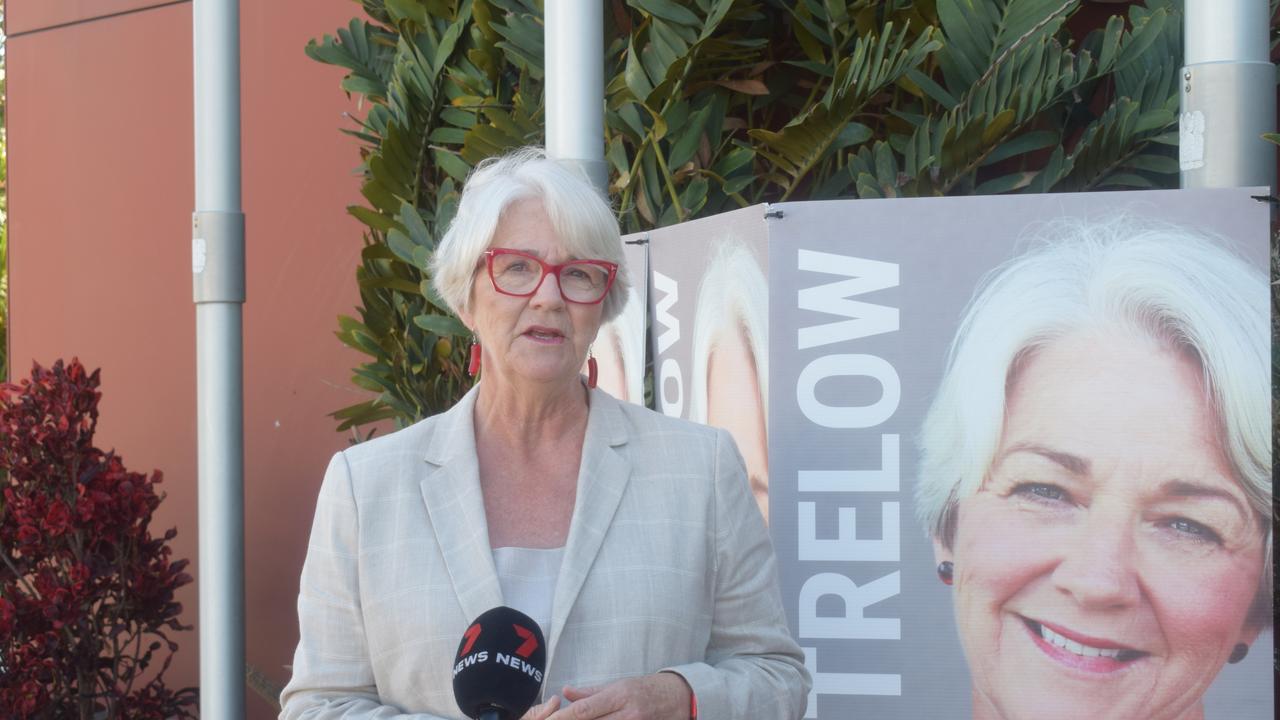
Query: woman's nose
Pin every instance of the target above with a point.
(1098, 567)
(548, 292)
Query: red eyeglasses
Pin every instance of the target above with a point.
(521, 274)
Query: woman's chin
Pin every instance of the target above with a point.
(1049, 706)
(1035, 701)
(1031, 677)
(541, 371)
(1056, 688)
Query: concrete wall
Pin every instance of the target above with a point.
(101, 194)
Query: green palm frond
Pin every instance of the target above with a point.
(362, 48)
(1013, 111)
(411, 170)
(667, 101)
(874, 64)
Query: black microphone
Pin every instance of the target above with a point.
(497, 673)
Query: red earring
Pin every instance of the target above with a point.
(946, 572)
(593, 372)
(473, 366)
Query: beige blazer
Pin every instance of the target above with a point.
(667, 565)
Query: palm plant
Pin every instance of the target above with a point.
(717, 104)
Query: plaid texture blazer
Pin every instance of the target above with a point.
(667, 565)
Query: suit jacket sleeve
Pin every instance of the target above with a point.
(332, 675)
(753, 667)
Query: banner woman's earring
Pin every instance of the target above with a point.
(1238, 653)
(946, 572)
(593, 372)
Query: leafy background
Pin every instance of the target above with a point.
(713, 105)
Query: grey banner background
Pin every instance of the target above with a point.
(943, 247)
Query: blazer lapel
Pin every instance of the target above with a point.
(451, 491)
(602, 479)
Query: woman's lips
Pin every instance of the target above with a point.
(1080, 651)
(544, 335)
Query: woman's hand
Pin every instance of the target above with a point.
(543, 711)
(661, 696)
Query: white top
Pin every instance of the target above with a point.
(528, 580)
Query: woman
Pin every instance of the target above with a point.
(730, 381)
(1097, 475)
(630, 537)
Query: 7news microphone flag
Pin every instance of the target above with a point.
(499, 666)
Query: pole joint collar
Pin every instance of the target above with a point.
(217, 257)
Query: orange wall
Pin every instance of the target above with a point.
(101, 195)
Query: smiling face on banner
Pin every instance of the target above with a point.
(1107, 566)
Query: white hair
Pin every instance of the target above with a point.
(1162, 281)
(733, 297)
(578, 212)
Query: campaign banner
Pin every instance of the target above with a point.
(710, 325)
(1014, 451)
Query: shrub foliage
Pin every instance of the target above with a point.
(86, 592)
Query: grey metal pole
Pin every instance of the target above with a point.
(1228, 95)
(217, 264)
(575, 85)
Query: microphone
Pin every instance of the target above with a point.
(499, 668)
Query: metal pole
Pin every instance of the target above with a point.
(1228, 95)
(575, 85)
(217, 264)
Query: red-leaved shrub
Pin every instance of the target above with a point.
(86, 593)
